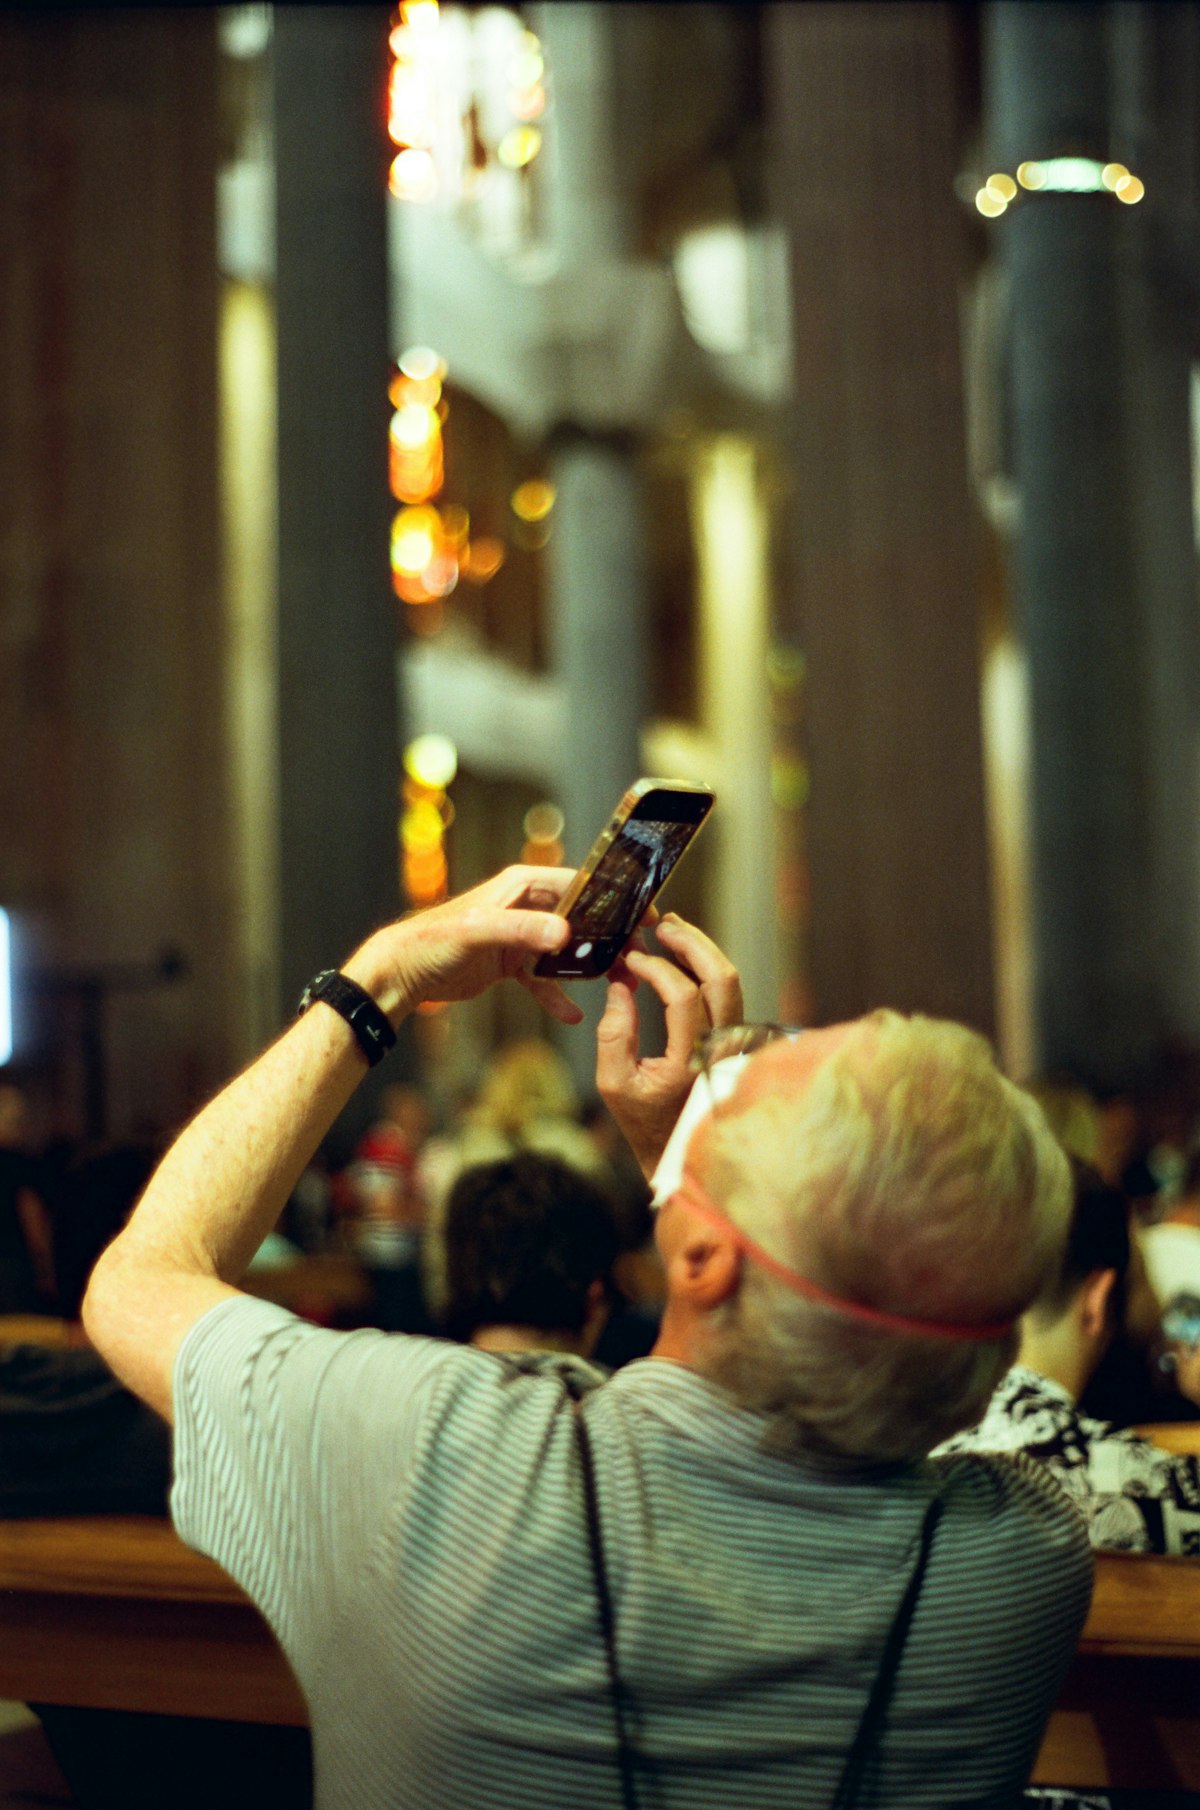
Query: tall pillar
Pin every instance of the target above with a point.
(883, 585)
(337, 705)
(596, 554)
(1104, 568)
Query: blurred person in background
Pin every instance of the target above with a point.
(529, 1252)
(72, 1439)
(527, 1101)
(1135, 1496)
(26, 1256)
(381, 1199)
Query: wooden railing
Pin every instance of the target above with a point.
(114, 1612)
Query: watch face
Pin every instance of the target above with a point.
(313, 990)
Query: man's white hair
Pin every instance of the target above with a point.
(909, 1175)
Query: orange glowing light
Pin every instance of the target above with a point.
(482, 558)
(413, 176)
(456, 525)
(415, 536)
(414, 424)
(533, 500)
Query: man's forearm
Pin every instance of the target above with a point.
(227, 1178)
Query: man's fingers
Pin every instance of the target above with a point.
(550, 997)
(683, 1005)
(720, 983)
(617, 1037)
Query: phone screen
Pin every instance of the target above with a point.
(643, 843)
(632, 871)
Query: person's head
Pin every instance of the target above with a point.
(529, 1243)
(1098, 1244)
(1098, 1290)
(887, 1164)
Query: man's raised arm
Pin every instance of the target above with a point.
(224, 1182)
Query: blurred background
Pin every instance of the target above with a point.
(419, 422)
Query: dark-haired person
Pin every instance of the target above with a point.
(529, 1249)
(1135, 1496)
(73, 1440)
(681, 1591)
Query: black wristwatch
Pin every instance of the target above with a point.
(369, 1024)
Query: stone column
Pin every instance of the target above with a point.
(882, 593)
(597, 580)
(337, 707)
(1104, 568)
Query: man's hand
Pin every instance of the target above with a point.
(699, 988)
(460, 948)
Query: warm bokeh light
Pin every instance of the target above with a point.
(415, 424)
(1001, 187)
(431, 760)
(415, 449)
(1031, 176)
(410, 107)
(533, 500)
(519, 146)
(420, 15)
(415, 536)
(422, 364)
(413, 175)
(482, 558)
(1130, 189)
(1112, 174)
(426, 813)
(543, 835)
(988, 204)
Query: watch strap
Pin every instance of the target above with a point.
(353, 1003)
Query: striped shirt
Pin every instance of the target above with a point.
(408, 1515)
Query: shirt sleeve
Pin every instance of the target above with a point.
(272, 1419)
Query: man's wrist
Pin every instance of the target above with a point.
(374, 967)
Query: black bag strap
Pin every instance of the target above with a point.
(870, 1727)
(874, 1716)
(608, 1621)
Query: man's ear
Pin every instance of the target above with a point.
(1094, 1299)
(708, 1267)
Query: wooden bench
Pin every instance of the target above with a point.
(114, 1612)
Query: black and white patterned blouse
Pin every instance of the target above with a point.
(1134, 1496)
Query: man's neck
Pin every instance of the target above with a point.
(527, 1338)
(1054, 1354)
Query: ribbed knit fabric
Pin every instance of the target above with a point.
(409, 1517)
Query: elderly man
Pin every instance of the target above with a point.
(724, 1578)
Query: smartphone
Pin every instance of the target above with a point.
(627, 866)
